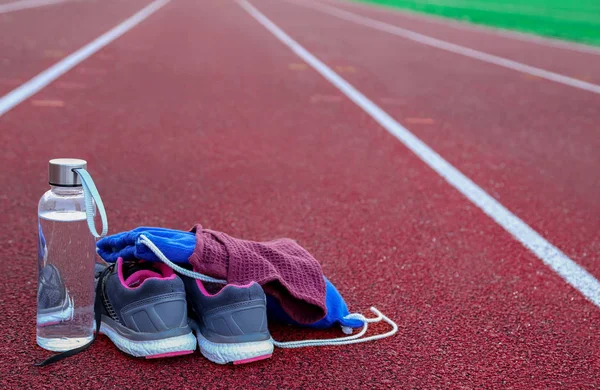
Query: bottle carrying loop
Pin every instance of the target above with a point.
(91, 192)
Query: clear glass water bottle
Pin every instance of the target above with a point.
(66, 257)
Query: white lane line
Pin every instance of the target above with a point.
(26, 4)
(33, 86)
(519, 36)
(570, 271)
(451, 47)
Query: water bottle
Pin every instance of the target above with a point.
(66, 256)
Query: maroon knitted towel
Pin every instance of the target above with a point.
(283, 268)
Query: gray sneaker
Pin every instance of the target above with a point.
(144, 309)
(230, 322)
(54, 303)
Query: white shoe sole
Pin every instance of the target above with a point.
(56, 317)
(172, 346)
(236, 353)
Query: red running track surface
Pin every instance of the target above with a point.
(530, 143)
(35, 38)
(200, 115)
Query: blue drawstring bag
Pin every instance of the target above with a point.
(178, 246)
(175, 247)
(337, 312)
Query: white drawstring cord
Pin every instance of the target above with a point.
(354, 339)
(195, 275)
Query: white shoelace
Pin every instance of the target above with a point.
(353, 339)
(194, 275)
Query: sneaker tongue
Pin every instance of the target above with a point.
(136, 272)
(130, 267)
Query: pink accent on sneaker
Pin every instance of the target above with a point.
(139, 276)
(254, 359)
(207, 294)
(169, 354)
(166, 271)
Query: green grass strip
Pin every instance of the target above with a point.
(574, 20)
